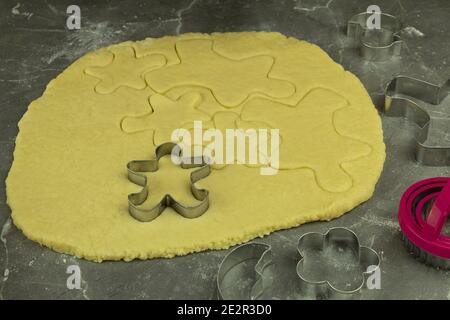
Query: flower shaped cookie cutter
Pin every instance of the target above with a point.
(328, 286)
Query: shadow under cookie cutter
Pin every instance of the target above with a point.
(342, 237)
(398, 103)
(387, 38)
(137, 167)
(259, 252)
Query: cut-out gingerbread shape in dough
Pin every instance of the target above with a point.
(124, 69)
(310, 138)
(223, 120)
(231, 81)
(166, 116)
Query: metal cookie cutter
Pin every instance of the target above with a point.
(135, 168)
(423, 212)
(343, 240)
(398, 103)
(377, 44)
(258, 252)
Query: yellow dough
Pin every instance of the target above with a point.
(68, 185)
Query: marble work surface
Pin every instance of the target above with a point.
(35, 47)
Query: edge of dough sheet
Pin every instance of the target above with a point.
(330, 213)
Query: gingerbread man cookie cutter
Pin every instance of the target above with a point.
(136, 169)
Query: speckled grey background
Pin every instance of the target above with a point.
(35, 47)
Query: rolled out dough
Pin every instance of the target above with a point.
(68, 187)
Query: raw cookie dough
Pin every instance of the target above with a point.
(68, 187)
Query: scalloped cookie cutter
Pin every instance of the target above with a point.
(342, 238)
(137, 167)
(400, 101)
(423, 211)
(259, 252)
(388, 41)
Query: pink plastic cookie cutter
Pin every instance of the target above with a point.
(423, 213)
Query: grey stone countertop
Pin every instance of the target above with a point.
(35, 47)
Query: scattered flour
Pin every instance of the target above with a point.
(381, 222)
(91, 36)
(411, 31)
(15, 11)
(5, 230)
